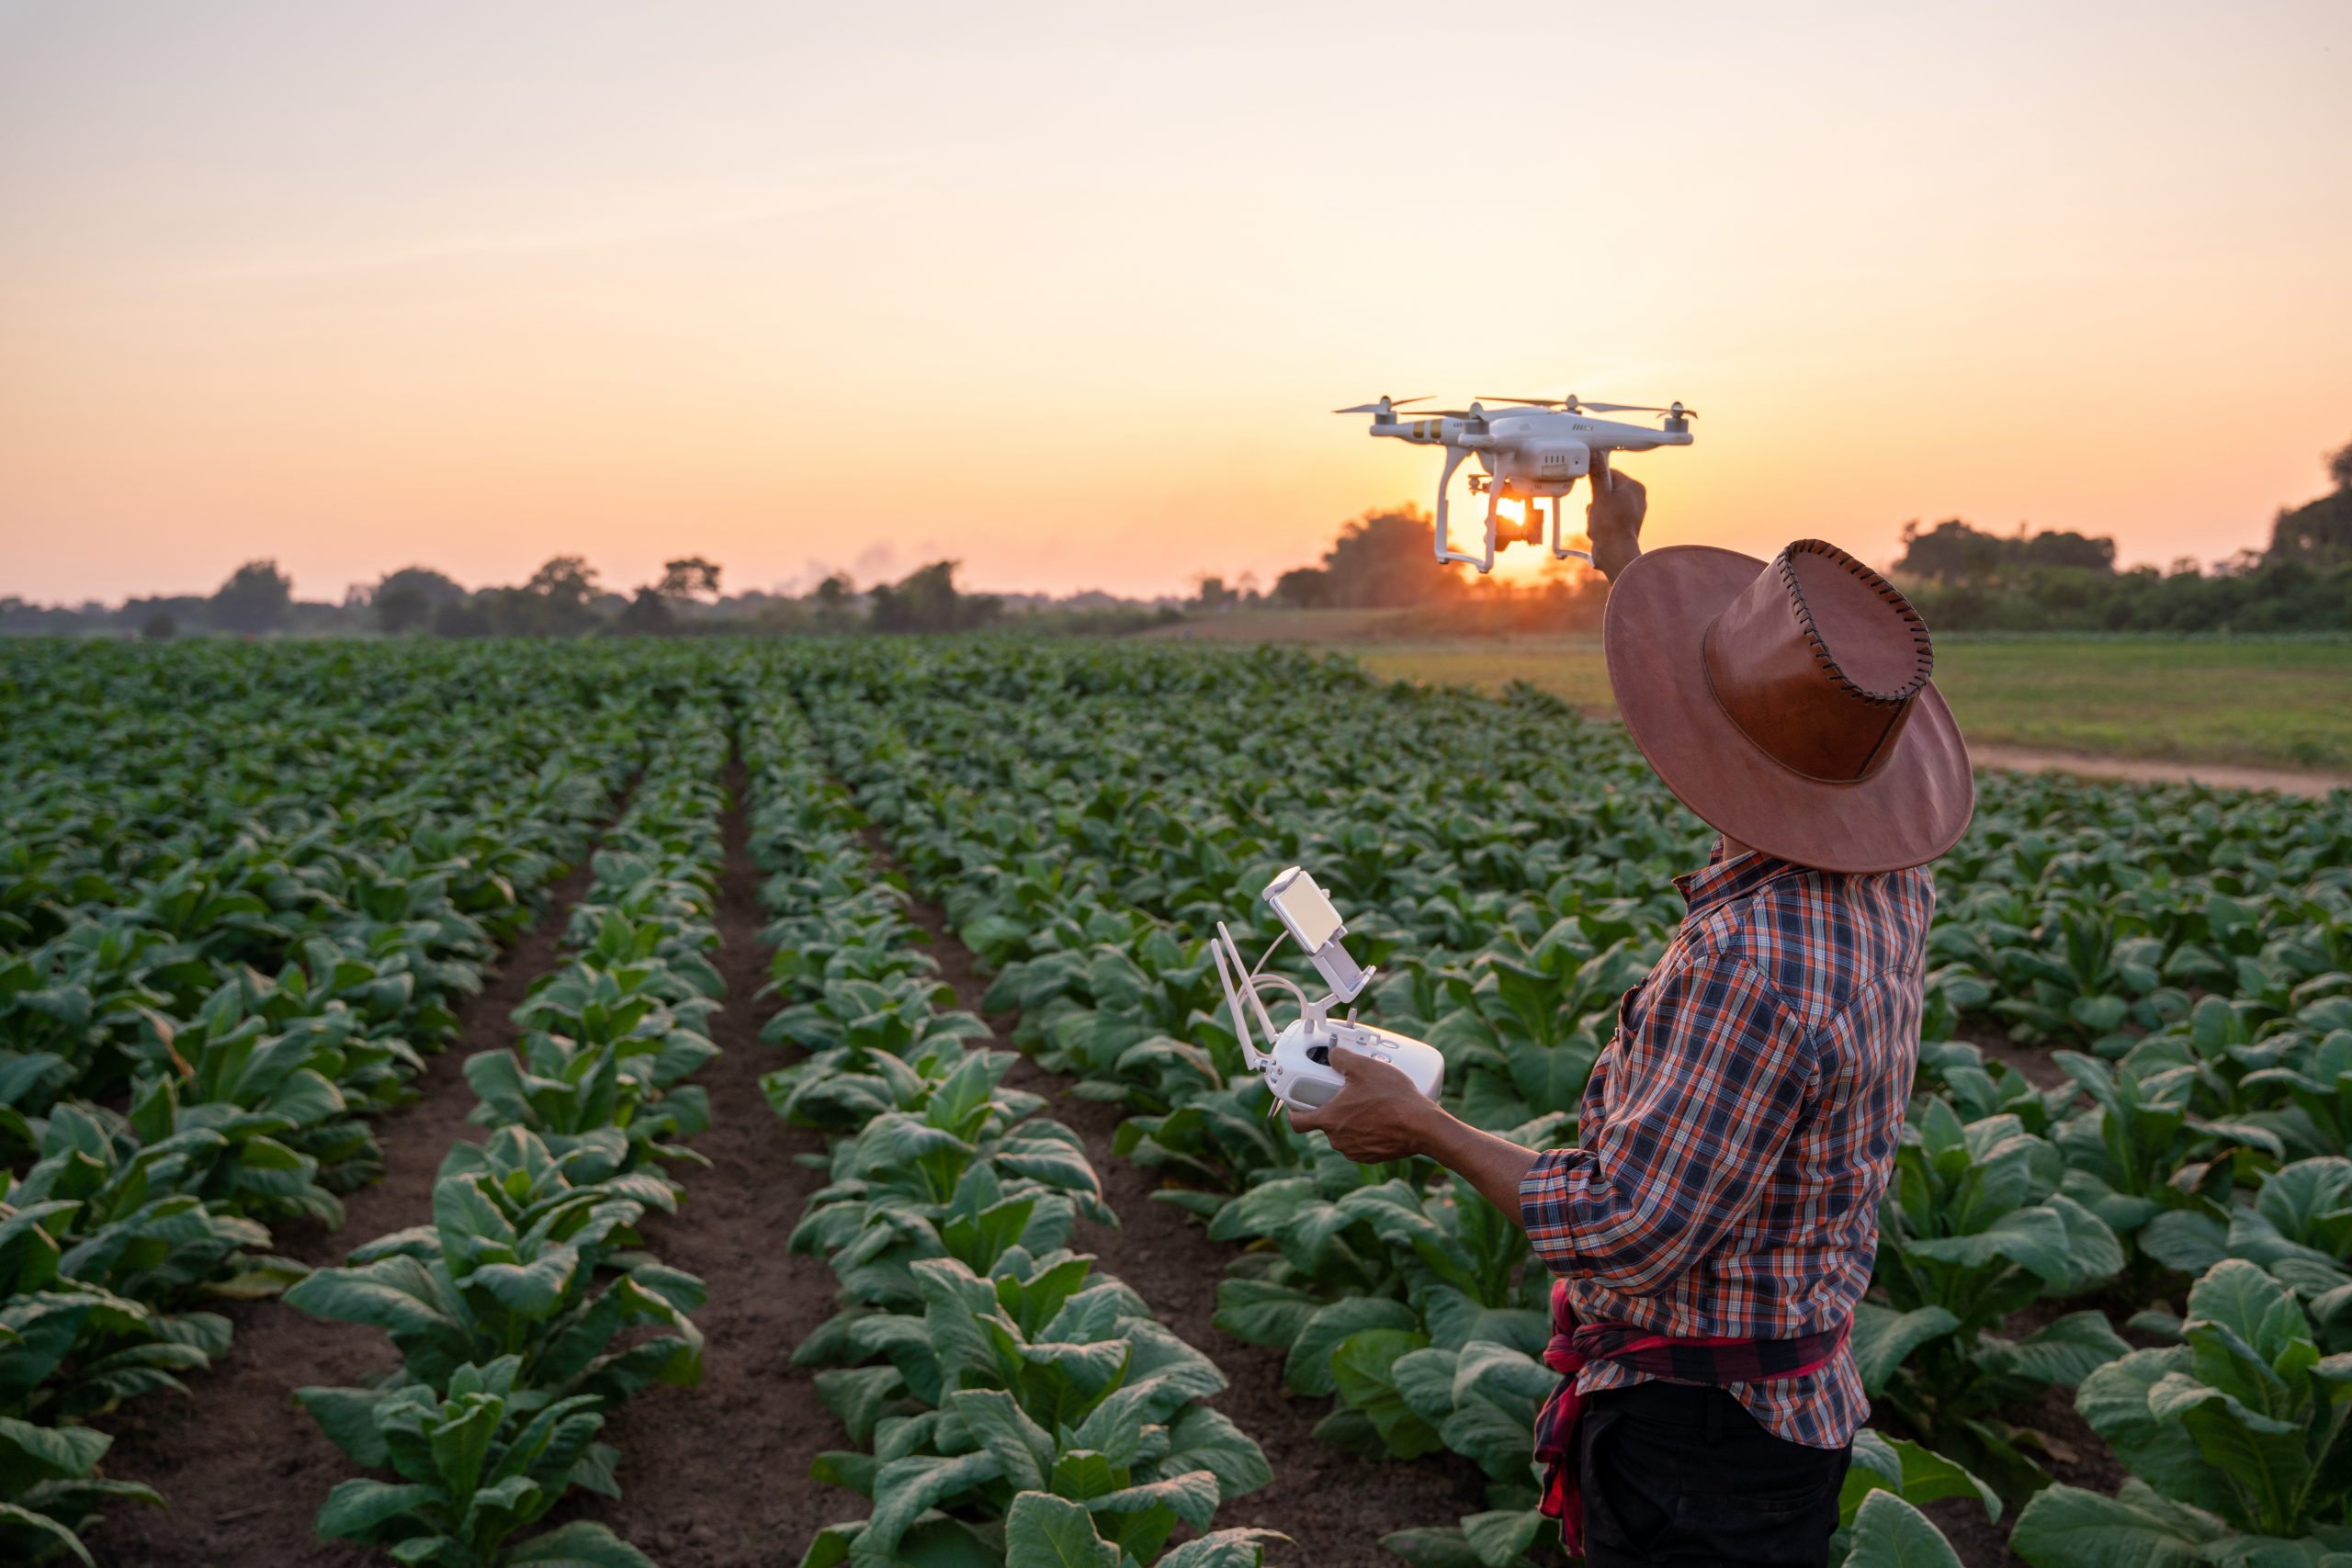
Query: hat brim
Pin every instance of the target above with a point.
(1909, 812)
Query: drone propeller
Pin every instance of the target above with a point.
(1384, 405)
(1675, 409)
(1568, 403)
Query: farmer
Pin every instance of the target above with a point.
(1715, 1223)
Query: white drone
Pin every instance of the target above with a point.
(1537, 447)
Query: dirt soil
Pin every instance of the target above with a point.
(2032, 1062)
(1334, 1505)
(717, 1476)
(243, 1466)
(2152, 770)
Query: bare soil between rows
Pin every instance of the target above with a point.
(717, 1476)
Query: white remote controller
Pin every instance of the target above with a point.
(1299, 1070)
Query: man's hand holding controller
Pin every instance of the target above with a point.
(1381, 1116)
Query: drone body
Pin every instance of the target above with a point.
(1536, 448)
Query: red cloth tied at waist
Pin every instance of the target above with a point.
(1702, 1359)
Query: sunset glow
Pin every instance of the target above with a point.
(1065, 291)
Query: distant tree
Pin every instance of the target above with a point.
(2318, 534)
(2068, 549)
(462, 617)
(404, 601)
(833, 597)
(1304, 588)
(1209, 592)
(1383, 561)
(926, 601)
(257, 598)
(1950, 552)
(1953, 551)
(558, 601)
(648, 615)
(564, 579)
(689, 579)
(160, 626)
(400, 609)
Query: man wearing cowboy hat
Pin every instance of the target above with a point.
(1716, 1221)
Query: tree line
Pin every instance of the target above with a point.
(1965, 579)
(566, 598)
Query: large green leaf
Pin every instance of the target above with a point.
(2034, 1239)
(2065, 1527)
(1882, 1338)
(580, 1544)
(357, 1506)
(1362, 1369)
(1224, 1549)
(1307, 1368)
(2067, 1350)
(1888, 1532)
(1045, 1531)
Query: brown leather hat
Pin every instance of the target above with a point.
(1788, 704)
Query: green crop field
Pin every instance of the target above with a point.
(846, 1103)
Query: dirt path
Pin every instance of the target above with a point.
(2149, 770)
(717, 1476)
(244, 1467)
(1334, 1505)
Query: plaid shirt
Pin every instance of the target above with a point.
(1738, 1131)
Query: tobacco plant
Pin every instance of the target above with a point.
(510, 1266)
(477, 1463)
(2238, 1442)
(1039, 1376)
(1973, 1228)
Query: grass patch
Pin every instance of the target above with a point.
(2283, 703)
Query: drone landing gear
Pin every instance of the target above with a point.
(1500, 530)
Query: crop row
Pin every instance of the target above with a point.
(1084, 818)
(1012, 1403)
(526, 1310)
(206, 987)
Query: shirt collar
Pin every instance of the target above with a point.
(1728, 876)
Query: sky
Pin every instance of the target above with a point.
(1064, 292)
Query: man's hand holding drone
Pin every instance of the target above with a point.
(1612, 517)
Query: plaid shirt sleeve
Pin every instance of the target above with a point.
(1712, 1077)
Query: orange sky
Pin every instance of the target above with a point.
(1064, 291)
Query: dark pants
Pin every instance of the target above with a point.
(1676, 1474)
